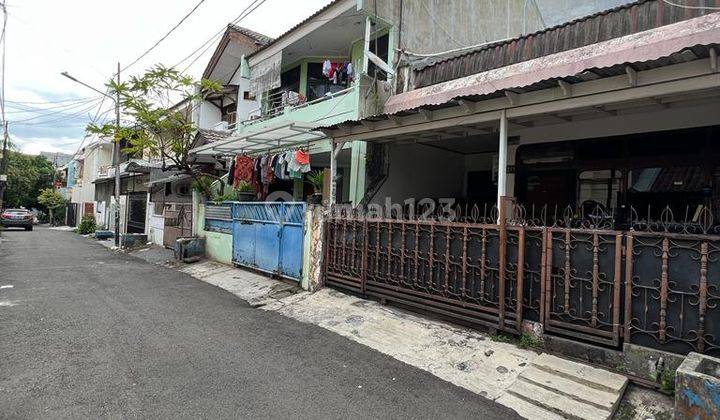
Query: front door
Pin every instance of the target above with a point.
(137, 206)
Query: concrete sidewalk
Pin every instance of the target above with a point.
(486, 365)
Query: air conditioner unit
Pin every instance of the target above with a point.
(222, 126)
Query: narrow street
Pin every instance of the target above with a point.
(87, 332)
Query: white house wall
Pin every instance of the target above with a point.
(418, 171)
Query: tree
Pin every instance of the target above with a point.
(52, 200)
(27, 175)
(160, 104)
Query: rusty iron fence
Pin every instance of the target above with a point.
(580, 275)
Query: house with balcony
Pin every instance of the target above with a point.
(338, 65)
(82, 172)
(169, 192)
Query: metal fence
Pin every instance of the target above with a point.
(655, 284)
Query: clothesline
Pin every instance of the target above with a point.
(265, 169)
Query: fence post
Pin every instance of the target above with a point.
(502, 258)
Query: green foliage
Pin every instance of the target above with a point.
(51, 198)
(203, 185)
(27, 176)
(244, 186)
(528, 341)
(160, 105)
(228, 196)
(87, 225)
(667, 380)
(316, 178)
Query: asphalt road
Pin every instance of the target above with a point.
(87, 333)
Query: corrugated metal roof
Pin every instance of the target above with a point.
(211, 136)
(673, 44)
(624, 20)
(260, 38)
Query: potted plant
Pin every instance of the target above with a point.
(316, 178)
(245, 191)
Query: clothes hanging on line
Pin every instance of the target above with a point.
(243, 170)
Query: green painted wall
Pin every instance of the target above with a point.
(218, 246)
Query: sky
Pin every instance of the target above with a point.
(87, 38)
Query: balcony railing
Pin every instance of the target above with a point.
(285, 102)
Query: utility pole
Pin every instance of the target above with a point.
(3, 165)
(116, 147)
(116, 153)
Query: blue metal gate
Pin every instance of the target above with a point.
(269, 237)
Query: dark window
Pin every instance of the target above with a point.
(318, 85)
(379, 47)
(289, 82)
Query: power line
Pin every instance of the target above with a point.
(20, 109)
(165, 36)
(51, 102)
(64, 116)
(685, 6)
(254, 5)
(74, 107)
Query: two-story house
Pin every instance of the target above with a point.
(340, 65)
(169, 198)
(85, 168)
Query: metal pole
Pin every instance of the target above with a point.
(116, 157)
(3, 165)
(333, 173)
(502, 159)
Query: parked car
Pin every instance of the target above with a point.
(17, 218)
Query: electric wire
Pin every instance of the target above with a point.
(177, 25)
(73, 108)
(254, 4)
(689, 7)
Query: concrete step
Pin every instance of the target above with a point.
(527, 409)
(576, 390)
(600, 379)
(556, 402)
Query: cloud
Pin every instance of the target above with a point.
(46, 37)
(35, 145)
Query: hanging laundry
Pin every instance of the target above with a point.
(243, 169)
(256, 176)
(303, 159)
(231, 173)
(326, 68)
(350, 72)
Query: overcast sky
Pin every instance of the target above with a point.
(88, 37)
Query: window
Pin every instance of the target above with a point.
(379, 46)
(318, 85)
(289, 82)
(599, 187)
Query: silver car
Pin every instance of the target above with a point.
(17, 218)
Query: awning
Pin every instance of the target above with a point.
(169, 178)
(639, 47)
(269, 138)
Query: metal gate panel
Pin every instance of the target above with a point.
(269, 237)
(673, 291)
(244, 243)
(455, 269)
(291, 240)
(583, 284)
